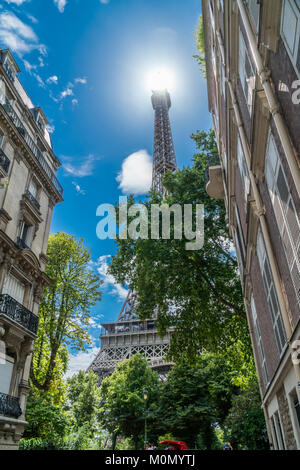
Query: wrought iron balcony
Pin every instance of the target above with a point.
(21, 244)
(18, 313)
(4, 161)
(10, 406)
(31, 144)
(33, 199)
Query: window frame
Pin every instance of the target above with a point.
(259, 340)
(248, 89)
(295, 54)
(271, 295)
(273, 167)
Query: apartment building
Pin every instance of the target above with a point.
(29, 190)
(252, 50)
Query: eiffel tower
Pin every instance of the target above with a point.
(130, 335)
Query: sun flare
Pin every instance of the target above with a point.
(160, 79)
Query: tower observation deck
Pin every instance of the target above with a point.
(129, 335)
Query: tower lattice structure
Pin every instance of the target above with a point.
(129, 335)
(164, 158)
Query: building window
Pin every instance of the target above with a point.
(33, 189)
(290, 30)
(239, 253)
(285, 212)
(246, 72)
(243, 169)
(271, 294)
(9, 69)
(26, 235)
(260, 347)
(240, 233)
(6, 371)
(13, 287)
(297, 408)
(1, 138)
(254, 10)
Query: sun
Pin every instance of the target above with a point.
(160, 79)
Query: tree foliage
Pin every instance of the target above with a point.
(200, 57)
(64, 313)
(245, 425)
(196, 398)
(198, 293)
(123, 407)
(83, 395)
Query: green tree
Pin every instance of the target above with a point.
(46, 419)
(200, 45)
(245, 425)
(123, 407)
(83, 395)
(202, 287)
(194, 399)
(64, 313)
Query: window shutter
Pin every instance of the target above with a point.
(13, 287)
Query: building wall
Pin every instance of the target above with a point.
(22, 249)
(271, 111)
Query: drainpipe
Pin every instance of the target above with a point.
(264, 75)
(261, 215)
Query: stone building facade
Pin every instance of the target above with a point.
(29, 190)
(252, 53)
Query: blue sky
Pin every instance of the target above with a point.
(86, 63)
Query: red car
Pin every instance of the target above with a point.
(175, 445)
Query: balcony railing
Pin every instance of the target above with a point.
(10, 406)
(4, 161)
(33, 199)
(31, 144)
(18, 313)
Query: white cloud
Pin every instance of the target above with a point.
(79, 190)
(86, 168)
(136, 174)
(32, 18)
(74, 102)
(18, 36)
(83, 80)
(17, 2)
(105, 2)
(61, 5)
(67, 92)
(81, 361)
(53, 79)
(109, 281)
(50, 128)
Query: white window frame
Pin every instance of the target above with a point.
(28, 237)
(239, 255)
(271, 294)
(285, 212)
(260, 346)
(240, 232)
(254, 10)
(248, 82)
(33, 188)
(292, 47)
(243, 168)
